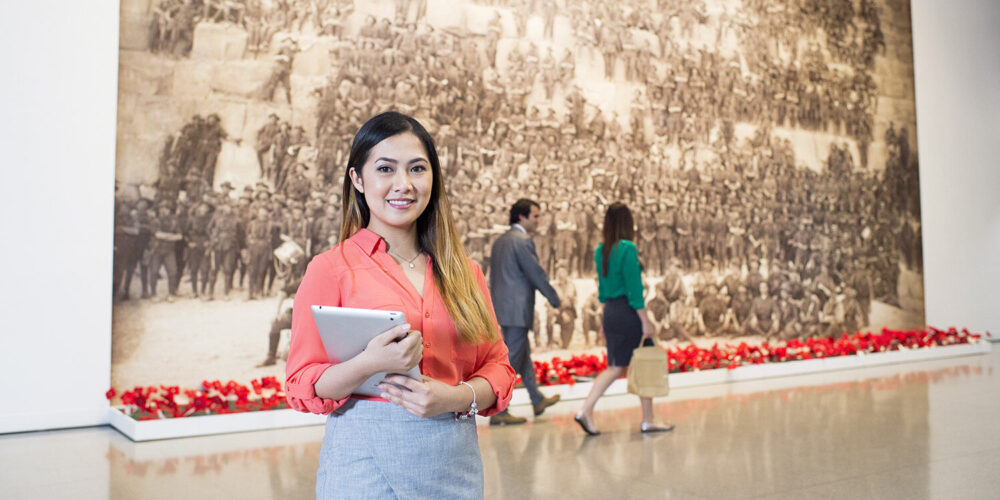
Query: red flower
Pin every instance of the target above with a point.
(152, 402)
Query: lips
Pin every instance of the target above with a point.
(400, 203)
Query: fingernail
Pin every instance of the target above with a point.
(406, 326)
(384, 395)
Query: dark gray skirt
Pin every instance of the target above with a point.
(622, 331)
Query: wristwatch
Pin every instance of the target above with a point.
(473, 408)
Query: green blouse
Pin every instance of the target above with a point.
(624, 278)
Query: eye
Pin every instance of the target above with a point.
(384, 169)
(418, 168)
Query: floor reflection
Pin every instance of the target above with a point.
(849, 433)
(246, 465)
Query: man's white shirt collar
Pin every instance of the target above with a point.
(523, 230)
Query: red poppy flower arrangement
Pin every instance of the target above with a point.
(152, 402)
(691, 357)
(566, 371)
(214, 397)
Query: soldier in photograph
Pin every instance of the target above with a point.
(167, 231)
(765, 317)
(658, 310)
(125, 235)
(258, 234)
(197, 236)
(223, 248)
(282, 321)
(713, 314)
(137, 256)
(854, 314)
(298, 187)
(265, 142)
(298, 228)
(281, 71)
(279, 230)
(591, 323)
(563, 317)
(682, 325)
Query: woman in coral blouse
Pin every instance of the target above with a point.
(399, 251)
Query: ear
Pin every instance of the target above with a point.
(356, 180)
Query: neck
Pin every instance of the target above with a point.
(402, 241)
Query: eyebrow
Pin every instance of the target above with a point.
(393, 160)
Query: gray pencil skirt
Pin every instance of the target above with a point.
(375, 449)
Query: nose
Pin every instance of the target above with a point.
(401, 181)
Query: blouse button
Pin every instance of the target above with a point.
(427, 314)
(427, 344)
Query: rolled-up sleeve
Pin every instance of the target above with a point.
(307, 358)
(492, 362)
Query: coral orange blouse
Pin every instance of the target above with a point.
(360, 273)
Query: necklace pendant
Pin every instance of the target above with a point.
(411, 265)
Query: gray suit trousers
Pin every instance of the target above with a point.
(519, 354)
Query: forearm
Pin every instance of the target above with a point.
(643, 316)
(341, 379)
(656, 324)
(485, 397)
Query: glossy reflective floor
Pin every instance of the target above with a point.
(927, 430)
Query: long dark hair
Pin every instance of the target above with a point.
(618, 225)
(436, 233)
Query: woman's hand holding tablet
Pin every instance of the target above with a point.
(396, 350)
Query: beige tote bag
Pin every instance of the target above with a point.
(647, 372)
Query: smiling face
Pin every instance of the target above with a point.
(396, 181)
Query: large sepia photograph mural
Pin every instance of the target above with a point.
(766, 147)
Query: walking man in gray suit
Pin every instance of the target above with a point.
(514, 276)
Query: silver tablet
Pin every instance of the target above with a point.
(346, 332)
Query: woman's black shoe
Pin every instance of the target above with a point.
(583, 425)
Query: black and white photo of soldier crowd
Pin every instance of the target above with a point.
(737, 237)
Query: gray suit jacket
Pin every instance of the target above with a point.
(514, 276)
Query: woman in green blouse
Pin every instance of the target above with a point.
(624, 323)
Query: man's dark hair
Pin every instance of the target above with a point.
(520, 208)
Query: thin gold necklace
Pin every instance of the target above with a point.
(400, 257)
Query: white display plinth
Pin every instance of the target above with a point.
(769, 370)
(148, 430)
(166, 428)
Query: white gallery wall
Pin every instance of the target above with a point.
(957, 69)
(57, 147)
(58, 91)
